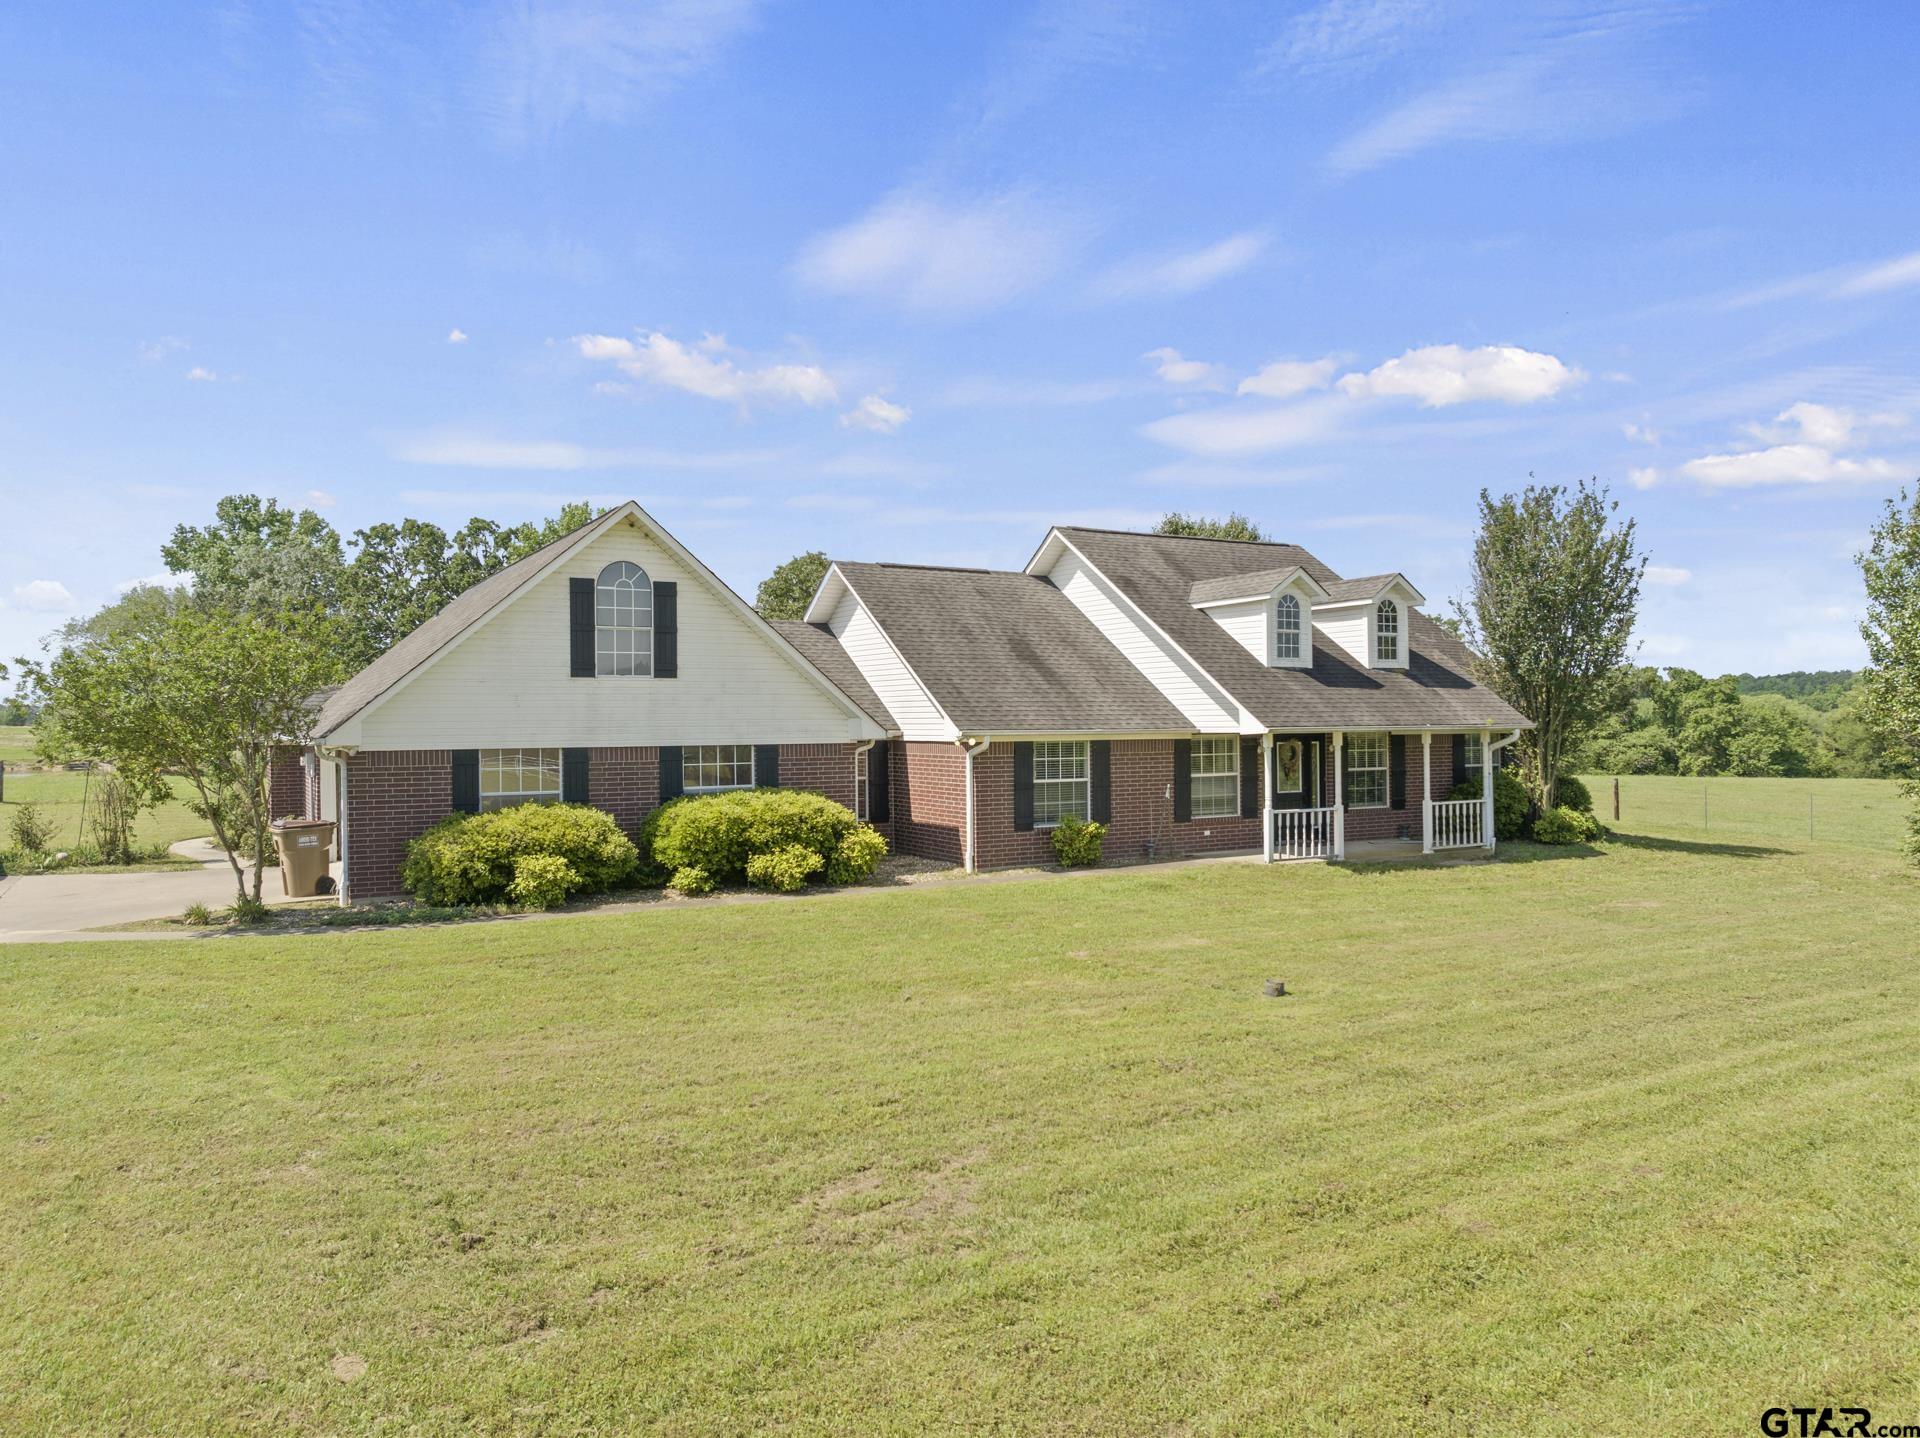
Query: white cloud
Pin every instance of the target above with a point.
(200, 374)
(321, 499)
(1234, 430)
(1783, 464)
(940, 256)
(154, 351)
(992, 392)
(1667, 575)
(462, 449)
(1283, 379)
(1175, 369)
(658, 359)
(1645, 478)
(1820, 424)
(1641, 433)
(1349, 34)
(1440, 375)
(456, 336)
(1895, 274)
(165, 579)
(877, 414)
(1181, 274)
(43, 596)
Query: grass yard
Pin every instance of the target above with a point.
(1605, 1142)
(16, 744)
(58, 793)
(1855, 813)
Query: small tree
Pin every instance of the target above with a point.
(1549, 613)
(1196, 526)
(785, 593)
(1890, 699)
(200, 693)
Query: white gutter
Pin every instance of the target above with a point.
(971, 750)
(1506, 741)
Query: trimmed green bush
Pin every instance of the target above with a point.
(472, 858)
(541, 881)
(1077, 843)
(785, 869)
(1561, 825)
(856, 856)
(720, 833)
(1510, 802)
(691, 881)
(1572, 793)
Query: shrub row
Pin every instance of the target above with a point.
(779, 839)
(534, 855)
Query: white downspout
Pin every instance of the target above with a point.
(971, 750)
(1426, 791)
(1339, 796)
(1487, 748)
(1266, 806)
(338, 756)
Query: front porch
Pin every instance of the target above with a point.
(1299, 822)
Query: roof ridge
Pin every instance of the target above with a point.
(1200, 538)
(937, 568)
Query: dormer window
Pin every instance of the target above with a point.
(1286, 629)
(1386, 633)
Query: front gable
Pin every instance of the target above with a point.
(507, 681)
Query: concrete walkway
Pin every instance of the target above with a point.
(40, 908)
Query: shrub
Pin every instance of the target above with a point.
(1510, 802)
(1572, 793)
(1076, 843)
(248, 910)
(1561, 825)
(472, 858)
(541, 881)
(115, 806)
(785, 869)
(691, 881)
(721, 832)
(32, 830)
(856, 857)
(198, 914)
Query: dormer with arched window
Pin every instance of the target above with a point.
(1269, 612)
(1371, 619)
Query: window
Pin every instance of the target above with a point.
(1366, 771)
(708, 768)
(623, 620)
(1286, 628)
(1471, 763)
(1386, 633)
(518, 776)
(1060, 782)
(860, 784)
(1216, 777)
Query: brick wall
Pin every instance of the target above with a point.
(929, 798)
(1387, 823)
(626, 783)
(287, 785)
(393, 796)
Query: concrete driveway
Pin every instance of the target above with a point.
(49, 908)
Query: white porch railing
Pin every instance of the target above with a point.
(1455, 824)
(1304, 833)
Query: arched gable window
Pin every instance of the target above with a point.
(1386, 629)
(623, 620)
(1286, 628)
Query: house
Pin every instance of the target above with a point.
(1147, 681)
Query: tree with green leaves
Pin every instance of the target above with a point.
(258, 557)
(1549, 613)
(785, 593)
(1890, 699)
(1197, 526)
(200, 694)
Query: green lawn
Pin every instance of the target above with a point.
(58, 795)
(1610, 1141)
(16, 744)
(1856, 813)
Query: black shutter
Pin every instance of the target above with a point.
(666, 629)
(580, 626)
(670, 785)
(1023, 786)
(466, 781)
(879, 793)
(1182, 780)
(1397, 770)
(1100, 780)
(573, 776)
(1459, 757)
(766, 766)
(1249, 777)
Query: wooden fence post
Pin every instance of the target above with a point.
(1616, 798)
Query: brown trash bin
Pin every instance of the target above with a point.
(304, 845)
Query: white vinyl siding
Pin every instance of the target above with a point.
(711, 768)
(518, 776)
(904, 695)
(1060, 785)
(1367, 771)
(509, 679)
(1246, 623)
(1215, 777)
(1348, 629)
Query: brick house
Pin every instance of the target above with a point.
(1195, 695)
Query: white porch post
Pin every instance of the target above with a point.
(1339, 797)
(1486, 788)
(1426, 791)
(1266, 804)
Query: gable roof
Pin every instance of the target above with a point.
(1372, 586)
(1158, 573)
(1258, 584)
(1007, 653)
(826, 653)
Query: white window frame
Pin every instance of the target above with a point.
(1205, 765)
(531, 769)
(623, 622)
(1473, 757)
(1054, 761)
(1365, 744)
(860, 771)
(718, 762)
(1282, 633)
(1386, 632)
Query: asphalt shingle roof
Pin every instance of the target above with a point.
(1259, 583)
(1005, 652)
(817, 644)
(1436, 690)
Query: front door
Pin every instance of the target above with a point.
(1297, 763)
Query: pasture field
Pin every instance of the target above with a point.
(59, 794)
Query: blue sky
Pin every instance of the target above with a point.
(911, 282)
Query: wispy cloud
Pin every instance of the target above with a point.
(1835, 282)
(1340, 36)
(1176, 369)
(200, 374)
(456, 336)
(464, 449)
(1060, 41)
(1181, 273)
(994, 392)
(697, 369)
(153, 352)
(44, 596)
(1668, 576)
(874, 413)
(1236, 430)
(1283, 379)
